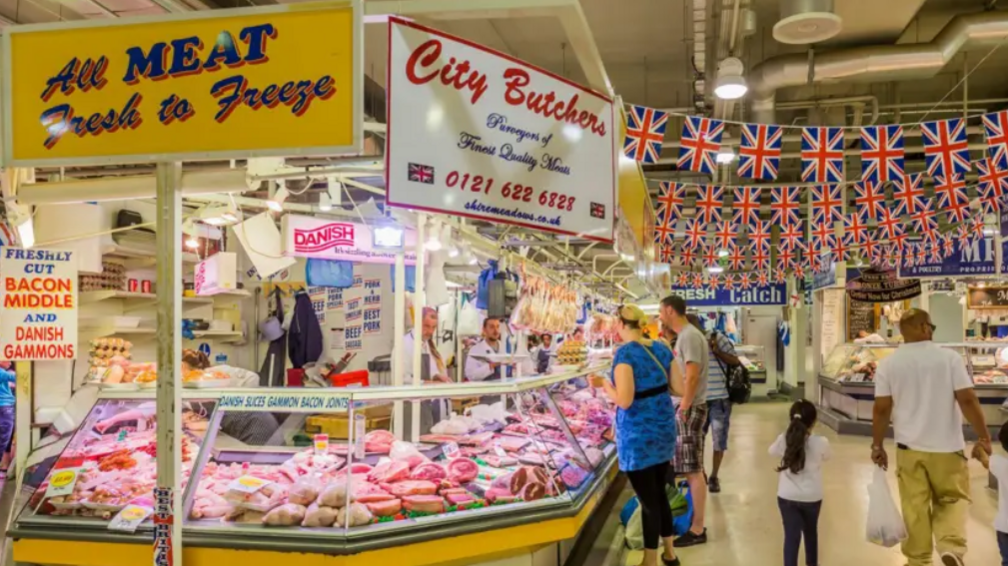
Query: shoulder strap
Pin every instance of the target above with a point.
(663, 369)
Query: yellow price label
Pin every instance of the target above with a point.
(249, 481)
(133, 513)
(64, 478)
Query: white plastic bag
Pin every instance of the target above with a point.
(885, 524)
(469, 323)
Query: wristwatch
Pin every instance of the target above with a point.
(875, 447)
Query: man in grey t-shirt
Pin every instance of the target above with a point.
(691, 362)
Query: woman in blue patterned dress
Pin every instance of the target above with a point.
(645, 426)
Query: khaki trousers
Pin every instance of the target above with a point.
(934, 492)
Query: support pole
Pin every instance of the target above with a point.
(168, 495)
(419, 298)
(23, 415)
(397, 341)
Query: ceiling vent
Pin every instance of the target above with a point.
(806, 21)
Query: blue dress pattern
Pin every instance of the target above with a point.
(645, 432)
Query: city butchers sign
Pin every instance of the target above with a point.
(875, 286)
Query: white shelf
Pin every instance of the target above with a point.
(102, 332)
(96, 296)
(197, 300)
(216, 333)
(239, 293)
(128, 252)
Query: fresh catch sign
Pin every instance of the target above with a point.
(477, 133)
(38, 318)
(770, 295)
(223, 83)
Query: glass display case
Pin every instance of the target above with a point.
(265, 471)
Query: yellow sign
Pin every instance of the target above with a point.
(64, 478)
(133, 513)
(282, 80)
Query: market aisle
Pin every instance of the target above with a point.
(743, 523)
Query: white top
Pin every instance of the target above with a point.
(999, 469)
(806, 485)
(922, 379)
(478, 370)
(407, 359)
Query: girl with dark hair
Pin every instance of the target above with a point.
(799, 488)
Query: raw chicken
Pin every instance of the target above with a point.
(357, 513)
(334, 494)
(209, 505)
(385, 508)
(411, 487)
(304, 491)
(285, 515)
(389, 471)
(270, 496)
(245, 516)
(424, 503)
(462, 470)
(319, 516)
(406, 452)
(429, 471)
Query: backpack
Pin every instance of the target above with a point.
(736, 382)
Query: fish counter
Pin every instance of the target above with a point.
(513, 465)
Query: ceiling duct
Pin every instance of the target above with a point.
(873, 64)
(806, 21)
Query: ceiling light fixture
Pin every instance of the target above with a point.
(725, 155)
(325, 202)
(715, 269)
(730, 83)
(276, 203)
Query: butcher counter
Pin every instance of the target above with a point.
(504, 480)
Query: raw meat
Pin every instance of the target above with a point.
(209, 505)
(270, 496)
(319, 516)
(360, 468)
(573, 476)
(365, 492)
(512, 443)
(517, 428)
(245, 516)
(357, 513)
(379, 441)
(406, 452)
(447, 490)
(519, 479)
(411, 487)
(462, 470)
(390, 471)
(429, 471)
(285, 515)
(385, 508)
(334, 494)
(502, 495)
(476, 439)
(424, 503)
(304, 491)
(456, 498)
(439, 438)
(500, 461)
(532, 458)
(533, 491)
(469, 504)
(503, 482)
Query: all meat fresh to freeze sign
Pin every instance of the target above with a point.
(38, 316)
(473, 132)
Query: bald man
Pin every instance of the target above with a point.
(925, 390)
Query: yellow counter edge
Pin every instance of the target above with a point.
(487, 545)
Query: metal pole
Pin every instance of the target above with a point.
(168, 507)
(418, 306)
(397, 341)
(23, 415)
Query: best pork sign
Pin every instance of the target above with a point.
(477, 133)
(38, 304)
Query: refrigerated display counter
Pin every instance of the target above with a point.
(847, 381)
(502, 479)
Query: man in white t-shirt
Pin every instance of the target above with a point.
(923, 387)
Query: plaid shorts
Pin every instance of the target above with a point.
(690, 439)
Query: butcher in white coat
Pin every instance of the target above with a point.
(436, 364)
(477, 369)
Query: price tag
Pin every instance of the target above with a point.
(62, 482)
(129, 518)
(248, 484)
(450, 449)
(359, 429)
(321, 444)
(499, 450)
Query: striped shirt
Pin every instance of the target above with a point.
(716, 386)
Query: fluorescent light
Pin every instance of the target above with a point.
(473, 260)
(722, 253)
(192, 243)
(988, 231)
(725, 155)
(730, 83)
(432, 245)
(453, 252)
(715, 269)
(389, 237)
(325, 202)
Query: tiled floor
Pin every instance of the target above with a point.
(744, 524)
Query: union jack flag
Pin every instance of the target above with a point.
(785, 259)
(855, 225)
(816, 263)
(951, 192)
(908, 193)
(709, 202)
(745, 281)
(924, 221)
(827, 203)
(698, 280)
(684, 279)
(948, 245)
(872, 248)
(420, 173)
(728, 282)
(891, 256)
(761, 259)
(921, 253)
(937, 254)
(946, 150)
(890, 226)
(759, 236)
(780, 276)
(664, 230)
(870, 199)
(910, 257)
(713, 281)
(671, 197)
(785, 204)
(799, 271)
(849, 241)
(840, 251)
(822, 236)
(645, 133)
(791, 237)
(724, 237)
(996, 131)
(746, 206)
(687, 257)
(736, 258)
(711, 255)
(759, 152)
(701, 139)
(666, 253)
(881, 153)
(762, 278)
(976, 226)
(695, 233)
(822, 155)
(992, 185)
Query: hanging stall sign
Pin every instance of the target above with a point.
(769, 295)
(220, 84)
(987, 297)
(306, 236)
(871, 285)
(499, 139)
(976, 257)
(826, 277)
(38, 316)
